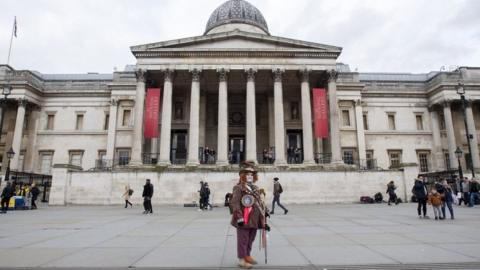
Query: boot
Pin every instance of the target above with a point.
(250, 260)
(243, 264)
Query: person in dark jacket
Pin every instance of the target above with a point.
(147, 197)
(448, 198)
(441, 190)
(392, 197)
(420, 191)
(34, 191)
(7, 193)
(474, 192)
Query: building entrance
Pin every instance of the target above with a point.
(236, 149)
(178, 154)
(294, 146)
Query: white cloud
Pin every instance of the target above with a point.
(57, 36)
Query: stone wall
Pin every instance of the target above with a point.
(177, 188)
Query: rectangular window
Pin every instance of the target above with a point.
(107, 120)
(447, 160)
(424, 160)
(419, 120)
(76, 157)
(395, 157)
(348, 156)
(126, 118)
(46, 162)
(370, 162)
(79, 123)
(178, 115)
(346, 118)
(294, 113)
(123, 156)
(365, 121)
(391, 122)
(50, 121)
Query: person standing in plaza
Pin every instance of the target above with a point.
(126, 195)
(474, 189)
(206, 201)
(420, 191)
(7, 193)
(35, 192)
(147, 197)
(277, 190)
(448, 198)
(435, 199)
(248, 214)
(392, 196)
(201, 193)
(465, 192)
(441, 190)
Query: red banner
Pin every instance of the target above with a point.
(152, 107)
(320, 113)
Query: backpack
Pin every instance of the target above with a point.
(130, 192)
(280, 189)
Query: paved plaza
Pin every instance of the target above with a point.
(309, 237)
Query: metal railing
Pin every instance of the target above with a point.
(149, 158)
(323, 158)
(294, 156)
(362, 164)
(109, 164)
(207, 156)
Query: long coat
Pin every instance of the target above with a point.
(257, 216)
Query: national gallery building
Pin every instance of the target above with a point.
(193, 108)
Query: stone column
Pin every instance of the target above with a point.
(194, 128)
(278, 118)
(251, 117)
(164, 158)
(112, 128)
(18, 133)
(438, 158)
(334, 117)
(473, 132)
(137, 138)
(452, 145)
(306, 119)
(222, 136)
(362, 153)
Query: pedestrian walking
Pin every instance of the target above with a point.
(249, 214)
(392, 196)
(449, 193)
(474, 189)
(201, 193)
(435, 199)
(127, 195)
(277, 190)
(441, 190)
(465, 184)
(7, 193)
(147, 195)
(35, 192)
(420, 191)
(206, 201)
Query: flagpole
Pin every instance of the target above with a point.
(11, 40)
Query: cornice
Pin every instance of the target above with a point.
(398, 132)
(236, 53)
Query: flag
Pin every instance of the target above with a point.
(15, 26)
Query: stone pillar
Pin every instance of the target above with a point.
(473, 132)
(452, 145)
(271, 123)
(362, 153)
(251, 117)
(222, 136)
(194, 129)
(18, 133)
(112, 128)
(438, 158)
(278, 118)
(137, 138)
(307, 119)
(164, 158)
(334, 117)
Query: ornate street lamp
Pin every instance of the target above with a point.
(10, 155)
(459, 154)
(461, 92)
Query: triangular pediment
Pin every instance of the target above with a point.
(235, 41)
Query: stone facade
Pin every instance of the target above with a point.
(239, 91)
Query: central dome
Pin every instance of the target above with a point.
(237, 12)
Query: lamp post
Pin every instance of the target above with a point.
(459, 153)
(461, 92)
(10, 155)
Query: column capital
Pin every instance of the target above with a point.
(304, 74)
(114, 102)
(222, 74)
(22, 102)
(168, 74)
(277, 74)
(141, 75)
(358, 102)
(250, 74)
(446, 103)
(332, 75)
(195, 74)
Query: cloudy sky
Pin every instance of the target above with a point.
(58, 36)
